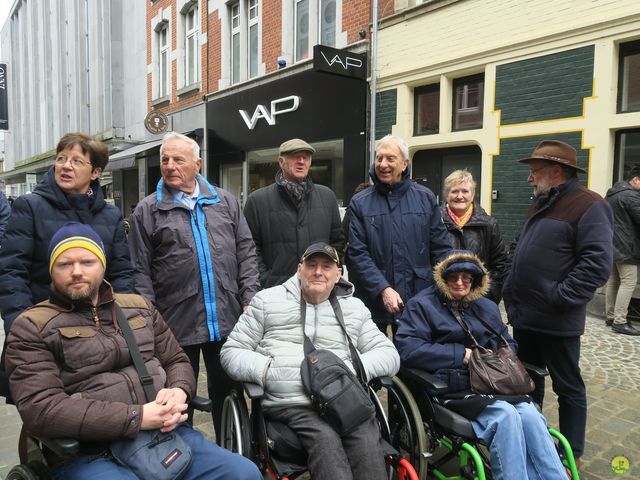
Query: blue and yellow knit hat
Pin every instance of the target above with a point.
(76, 235)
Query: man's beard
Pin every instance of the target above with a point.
(86, 293)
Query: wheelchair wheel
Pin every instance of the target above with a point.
(235, 432)
(406, 429)
(22, 472)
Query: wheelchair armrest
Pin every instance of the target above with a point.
(62, 447)
(253, 390)
(424, 379)
(202, 404)
(379, 382)
(535, 370)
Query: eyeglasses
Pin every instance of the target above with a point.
(533, 172)
(75, 161)
(456, 277)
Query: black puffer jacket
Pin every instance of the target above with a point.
(24, 256)
(481, 235)
(282, 230)
(625, 203)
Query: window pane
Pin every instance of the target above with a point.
(235, 16)
(468, 102)
(328, 23)
(163, 75)
(235, 58)
(628, 153)
(630, 84)
(253, 50)
(302, 29)
(427, 110)
(253, 9)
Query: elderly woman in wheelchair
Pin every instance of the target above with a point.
(267, 347)
(435, 335)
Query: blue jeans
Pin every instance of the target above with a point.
(209, 462)
(518, 442)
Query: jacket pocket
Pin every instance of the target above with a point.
(81, 346)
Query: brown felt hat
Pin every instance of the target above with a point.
(557, 152)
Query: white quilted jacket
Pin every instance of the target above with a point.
(266, 345)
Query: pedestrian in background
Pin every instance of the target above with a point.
(194, 259)
(562, 254)
(624, 198)
(290, 214)
(396, 234)
(471, 228)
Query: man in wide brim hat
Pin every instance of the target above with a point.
(557, 152)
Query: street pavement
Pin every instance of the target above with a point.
(611, 368)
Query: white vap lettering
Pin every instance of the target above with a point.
(346, 63)
(270, 115)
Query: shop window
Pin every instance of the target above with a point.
(468, 98)
(162, 36)
(629, 78)
(426, 116)
(302, 29)
(627, 153)
(245, 39)
(191, 57)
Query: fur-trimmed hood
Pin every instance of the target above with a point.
(467, 262)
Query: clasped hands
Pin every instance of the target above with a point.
(166, 412)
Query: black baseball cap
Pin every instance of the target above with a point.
(324, 249)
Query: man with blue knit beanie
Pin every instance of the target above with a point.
(71, 374)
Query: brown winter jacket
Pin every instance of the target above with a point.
(72, 376)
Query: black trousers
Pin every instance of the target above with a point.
(561, 357)
(219, 385)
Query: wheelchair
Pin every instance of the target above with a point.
(434, 429)
(275, 448)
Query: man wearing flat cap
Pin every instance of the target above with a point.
(562, 254)
(290, 214)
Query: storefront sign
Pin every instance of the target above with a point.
(340, 62)
(156, 122)
(291, 104)
(4, 101)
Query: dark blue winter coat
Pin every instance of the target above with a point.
(563, 253)
(5, 212)
(396, 235)
(24, 256)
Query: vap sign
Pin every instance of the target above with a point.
(4, 101)
(340, 62)
(277, 107)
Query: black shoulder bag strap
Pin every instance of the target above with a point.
(145, 379)
(309, 346)
(466, 328)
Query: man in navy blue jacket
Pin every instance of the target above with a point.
(396, 234)
(561, 256)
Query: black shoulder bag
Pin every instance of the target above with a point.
(339, 396)
(152, 455)
(500, 372)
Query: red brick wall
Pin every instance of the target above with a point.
(271, 34)
(356, 16)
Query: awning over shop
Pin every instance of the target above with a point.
(127, 158)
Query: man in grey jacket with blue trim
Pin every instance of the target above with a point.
(195, 259)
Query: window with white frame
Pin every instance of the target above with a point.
(163, 60)
(253, 37)
(191, 50)
(245, 39)
(301, 30)
(328, 22)
(235, 42)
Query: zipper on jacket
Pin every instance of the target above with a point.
(96, 319)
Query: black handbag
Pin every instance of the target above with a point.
(152, 455)
(339, 396)
(495, 372)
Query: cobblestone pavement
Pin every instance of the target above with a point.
(611, 369)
